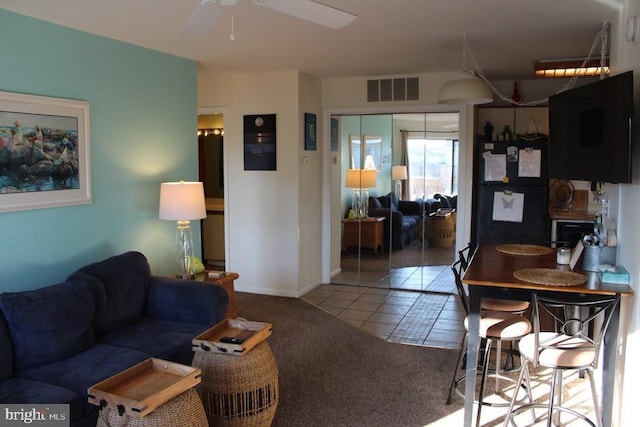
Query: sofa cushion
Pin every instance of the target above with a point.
(81, 371)
(6, 355)
(120, 284)
(393, 200)
(49, 324)
(174, 343)
(20, 391)
(374, 203)
(385, 201)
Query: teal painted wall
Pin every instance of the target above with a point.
(143, 121)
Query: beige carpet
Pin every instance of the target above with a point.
(334, 374)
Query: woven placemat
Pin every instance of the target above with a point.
(550, 277)
(517, 249)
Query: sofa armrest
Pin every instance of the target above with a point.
(188, 301)
(408, 207)
(379, 212)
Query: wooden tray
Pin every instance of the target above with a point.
(527, 250)
(250, 333)
(550, 277)
(142, 388)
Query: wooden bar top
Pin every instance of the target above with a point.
(492, 268)
(571, 215)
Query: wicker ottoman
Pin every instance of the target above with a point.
(184, 410)
(239, 390)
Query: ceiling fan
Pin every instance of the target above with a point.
(207, 12)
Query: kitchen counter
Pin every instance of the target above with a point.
(571, 215)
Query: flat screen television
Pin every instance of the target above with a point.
(590, 135)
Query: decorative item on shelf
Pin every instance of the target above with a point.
(488, 131)
(398, 174)
(515, 96)
(507, 134)
(181, 202)
(197, 266)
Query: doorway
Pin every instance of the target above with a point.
(426, 146)
(211, 173)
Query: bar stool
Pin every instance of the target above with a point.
(498, 326)
(494, 304)
(579, 327)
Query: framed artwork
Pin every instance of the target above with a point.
(44, 152)
(309, 131)
(334, 134)
(367, 154)
(260, 142)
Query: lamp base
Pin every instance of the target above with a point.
(185, 249)
(398, 189)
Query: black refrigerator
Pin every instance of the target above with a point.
(510, 199)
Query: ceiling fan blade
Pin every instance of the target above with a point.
(310, 11)
(204, 17)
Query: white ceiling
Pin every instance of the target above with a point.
(389, 37)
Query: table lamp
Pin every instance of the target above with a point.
(181, 202)
(399, 173)
(352, 180)
(368, 179)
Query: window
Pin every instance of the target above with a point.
(433, 166)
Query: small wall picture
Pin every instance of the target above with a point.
(260, 142)
(334, 134)
(309, 131)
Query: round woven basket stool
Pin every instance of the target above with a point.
(239, 390)
(440, 231)
(185, 410)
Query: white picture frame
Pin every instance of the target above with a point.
(44, 152)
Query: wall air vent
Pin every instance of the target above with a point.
(399, 89)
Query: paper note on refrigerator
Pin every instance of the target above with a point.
(508, 206)
(530, 161)
(495, 166)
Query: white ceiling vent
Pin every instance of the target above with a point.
(401, 89)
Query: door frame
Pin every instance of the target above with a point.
(331, 226)
(225, 165)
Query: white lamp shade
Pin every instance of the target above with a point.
(352, 179)
(181, 201)
(369, 163)
(369, 178)
(398, 173)
(465, 89)
(361, 178)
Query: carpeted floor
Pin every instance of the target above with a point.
(334, 374)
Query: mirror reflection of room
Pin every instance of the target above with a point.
(405, 240)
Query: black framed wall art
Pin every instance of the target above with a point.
(260, 142)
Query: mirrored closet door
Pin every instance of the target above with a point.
(392, 166)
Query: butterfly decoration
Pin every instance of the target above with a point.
(507, 204)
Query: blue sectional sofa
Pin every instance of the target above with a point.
(402, 219)
(57, 341)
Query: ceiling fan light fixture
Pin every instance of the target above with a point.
(465, 89)
(311, 11)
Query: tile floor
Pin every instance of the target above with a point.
(404, 315)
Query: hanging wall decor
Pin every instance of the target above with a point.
(260, 142)
(309, 131)
(44, 152)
